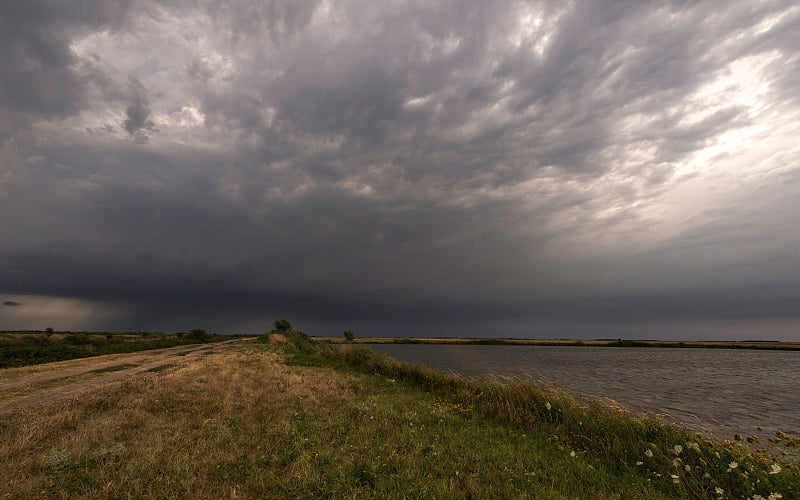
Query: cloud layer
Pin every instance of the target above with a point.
(481, 167)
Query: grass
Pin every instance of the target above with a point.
(24, 349)
(114, 368)
(675, 461)
(38, 387)
(291, 418)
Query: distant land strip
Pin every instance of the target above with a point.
(695, 344)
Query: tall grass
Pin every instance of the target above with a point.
(676, 461)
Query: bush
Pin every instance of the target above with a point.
(198, 334)
(282, 325)
(349, 336)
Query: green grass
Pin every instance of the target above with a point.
(23, 349)
(675, 461)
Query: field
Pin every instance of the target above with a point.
(30, 348)
(289, 417)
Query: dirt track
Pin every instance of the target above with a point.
(25, 388)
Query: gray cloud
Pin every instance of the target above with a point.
(137, 115)
(524, 164)
(11, 303)
(41, 77)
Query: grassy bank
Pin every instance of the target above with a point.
(289, 418)
(673, 460)
(27, 348)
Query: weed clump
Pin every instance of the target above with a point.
(58, 461)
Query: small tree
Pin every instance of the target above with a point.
(49, 331)
(349, 336)
(282, 325)
(198, 334)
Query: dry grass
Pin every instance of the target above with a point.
(134, 431)
(277, 339)
(60, 368)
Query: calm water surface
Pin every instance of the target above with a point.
(718, 391)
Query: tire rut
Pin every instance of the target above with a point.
(143, 361)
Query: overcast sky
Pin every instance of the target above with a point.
(482, 168)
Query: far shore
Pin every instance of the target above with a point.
(697, 344)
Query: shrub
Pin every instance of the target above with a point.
(349, 336)
(198, 333)
(282, 325)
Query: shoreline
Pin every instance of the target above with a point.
(677, 344)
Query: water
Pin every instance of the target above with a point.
(721, 392)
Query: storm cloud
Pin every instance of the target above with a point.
(482, 168)
(137, 115)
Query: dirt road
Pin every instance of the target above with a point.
(28, 387)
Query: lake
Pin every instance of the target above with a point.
(721, 392)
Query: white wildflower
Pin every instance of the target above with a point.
(678, 449)
(775, 469)
(675, 479)
(718, 490)
(639, 463)
(693, 446)
(733, 465)
(758, 497)
(688, 468)
(548, 406)
(572, 454)
(649, 453)
(774, 496)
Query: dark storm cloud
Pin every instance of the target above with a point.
(457, 162)
(137, 115)
(41, 76)
(11, 303)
